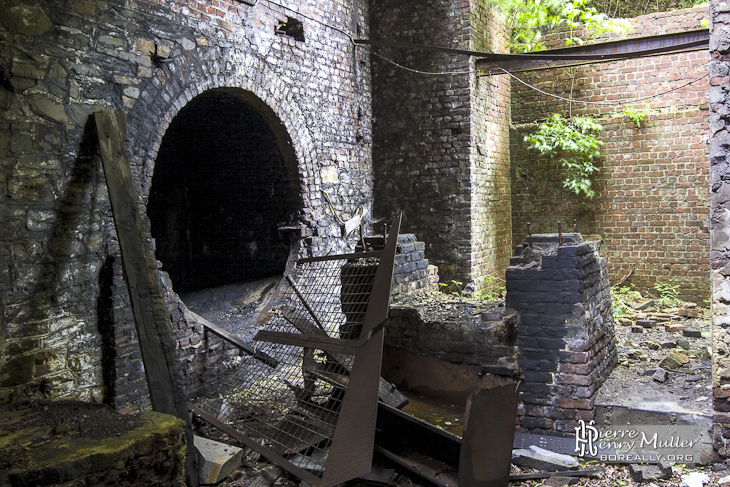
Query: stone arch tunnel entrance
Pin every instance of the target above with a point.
(225, 180)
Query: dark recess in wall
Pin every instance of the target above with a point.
(220, 190)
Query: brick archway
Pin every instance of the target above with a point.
(178, 82)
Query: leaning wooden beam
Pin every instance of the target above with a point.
(151, 316)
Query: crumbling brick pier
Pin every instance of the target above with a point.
(565, 338)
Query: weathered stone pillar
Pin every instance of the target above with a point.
(720, 218)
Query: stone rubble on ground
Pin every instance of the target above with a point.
(695, 479)
(541, 459)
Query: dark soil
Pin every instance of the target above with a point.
(92, 421)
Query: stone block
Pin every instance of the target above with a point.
(692, 333)
(646, 473)
(216, 460)
(673, 360)
(541, 459)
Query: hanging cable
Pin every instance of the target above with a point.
(616, 102)
(445, 73)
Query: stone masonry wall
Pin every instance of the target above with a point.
(455, 331)
(66, 327)
(565, 340)
(720, 218)
(651, 200)
(411, 271)
(436, 137)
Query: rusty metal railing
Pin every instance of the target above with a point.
(312, 406)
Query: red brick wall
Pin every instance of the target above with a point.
(651, 205)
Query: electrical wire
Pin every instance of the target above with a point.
(444, 73)
(616, 102)
(570, 100)
(471, 71)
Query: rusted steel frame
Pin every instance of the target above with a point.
(305, 303)
(351, 451)
(324, 258)
(235, 341)
(328, 344)
(257, 447)
(489, 432)
(425, 467)
(560, 234)
(597, 53)
(564, 473)
(378, 304)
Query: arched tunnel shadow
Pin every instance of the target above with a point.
(225, 180)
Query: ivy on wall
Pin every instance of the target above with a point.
(573, 143)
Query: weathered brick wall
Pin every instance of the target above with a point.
(651, 200)
(490, 179)
(455, 331)
(67, 330)
(720, 218)
(436, 152)
(411, 271)
(565, 338)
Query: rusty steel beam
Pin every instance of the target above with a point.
(598, 53)
(489, 63)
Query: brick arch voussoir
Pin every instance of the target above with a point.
(149, 121)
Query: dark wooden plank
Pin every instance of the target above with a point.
(151, 317)
(236, 341)
(328, 344)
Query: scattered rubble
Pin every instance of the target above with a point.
(541, 459)
(664, 351)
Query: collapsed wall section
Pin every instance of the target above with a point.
(565, 338)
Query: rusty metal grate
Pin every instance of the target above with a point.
(309, 400)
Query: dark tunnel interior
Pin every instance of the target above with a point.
(223, 184)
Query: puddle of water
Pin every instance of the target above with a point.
(438, 413)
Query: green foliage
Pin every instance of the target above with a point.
(451, 287)
(668, 293)
(574, 145)
(528, 20)
(633, 8)
(494, 289)
(638, 115)
(619, 296)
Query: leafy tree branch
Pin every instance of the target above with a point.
(574, 145)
